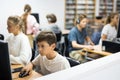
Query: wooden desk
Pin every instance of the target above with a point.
(97, 50)
(33, 76)
(65, 32)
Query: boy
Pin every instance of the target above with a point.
(49, 60)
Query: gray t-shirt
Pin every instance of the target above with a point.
(51, 66)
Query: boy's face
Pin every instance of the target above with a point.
(44, 48)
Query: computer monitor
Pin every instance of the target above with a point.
(5, 70)
(36, 15)
(118, 29)
(111, 46)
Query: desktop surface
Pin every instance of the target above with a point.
(15, 76)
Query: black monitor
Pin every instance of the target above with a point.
(5, 70)
(118, 29)
(110, 46)
(36, 15)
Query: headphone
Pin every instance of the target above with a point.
(81, 16)
(78, 21)
(49, 19)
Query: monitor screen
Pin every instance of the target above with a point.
(111, 46)
(36, 15)
(118, 30)
(5, 70)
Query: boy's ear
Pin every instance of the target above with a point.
(53, 46)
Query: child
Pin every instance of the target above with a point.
(19, 46)
(49, 60)
(77, 37)
(109, 31)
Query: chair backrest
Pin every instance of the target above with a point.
(72, 62)
(58, 36)
(1, 37)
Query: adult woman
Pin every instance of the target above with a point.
(19, 46)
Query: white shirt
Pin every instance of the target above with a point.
(50, 66)
(19, 49)
(110, 31)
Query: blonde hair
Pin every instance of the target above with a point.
(16, 21)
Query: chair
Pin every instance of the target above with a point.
(58, 36)
(72, 62)
(1, 37)
(66, 52)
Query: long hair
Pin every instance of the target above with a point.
(110, 17)
(27, 10)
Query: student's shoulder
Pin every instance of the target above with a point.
(107, 26)
(9, 36)
(74, 29)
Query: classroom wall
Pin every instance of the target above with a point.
(43, 7)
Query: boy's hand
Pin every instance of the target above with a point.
(28, 68)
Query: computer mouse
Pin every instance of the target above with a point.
(23, 74)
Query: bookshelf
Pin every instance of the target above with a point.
(118, 6)
(106, 7)
(70, 13)
(75, 7)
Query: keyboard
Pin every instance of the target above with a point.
(16, 69)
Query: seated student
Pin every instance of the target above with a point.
(77, 37)
(52, 19)
(96, 35)
(52, 26)
(19, 46)
(48, 59)
(109, 31)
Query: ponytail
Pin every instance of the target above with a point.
(109, 18)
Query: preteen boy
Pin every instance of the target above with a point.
(49, 60)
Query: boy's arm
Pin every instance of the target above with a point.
(36, 61)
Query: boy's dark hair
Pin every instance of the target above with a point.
(51, 18)
(47, 36)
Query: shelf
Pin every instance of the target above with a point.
(77, 7)
(106, 7)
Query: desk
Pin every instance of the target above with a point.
(97, 50)
(65, 32)
(33, 76)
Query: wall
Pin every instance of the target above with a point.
(15, 7)
(106, 68)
